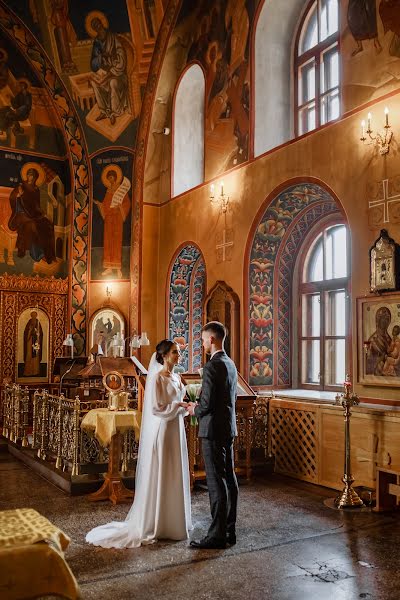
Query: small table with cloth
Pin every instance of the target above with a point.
(32, 562)
(108, 427)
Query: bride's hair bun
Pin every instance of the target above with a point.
(162, 349)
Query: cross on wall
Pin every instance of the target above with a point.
(224, 245)
(386, 199)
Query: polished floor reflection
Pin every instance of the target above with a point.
(290, 546)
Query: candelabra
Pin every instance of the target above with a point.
(348, 498)
(380, 139)
(222, 199)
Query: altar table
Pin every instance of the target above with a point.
(108, 426)
(32, 562)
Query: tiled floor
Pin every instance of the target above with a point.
(290, 546)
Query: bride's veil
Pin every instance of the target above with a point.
(149, 423)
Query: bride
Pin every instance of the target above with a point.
(161, 507)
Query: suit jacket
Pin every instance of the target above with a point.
(216, 407)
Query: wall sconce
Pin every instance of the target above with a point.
(222, 199)
(380, 139)
(139, 340)
(69, 342)
(108, 293)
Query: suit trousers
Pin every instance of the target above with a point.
(222, 486)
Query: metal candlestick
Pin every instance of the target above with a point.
(348, 498)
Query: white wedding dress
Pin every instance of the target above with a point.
(161, 507)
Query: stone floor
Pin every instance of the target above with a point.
(290, 546)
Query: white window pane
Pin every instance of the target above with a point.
(311, 361)
(336, 252)
(330, 107)
(335, 361)
(311, 315)
(307, 119)
(329, 18)
(309, 34)
(316, 263)
(330, 69)
(336, 313)
(307, 83)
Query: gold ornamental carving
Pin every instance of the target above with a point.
(26, 283)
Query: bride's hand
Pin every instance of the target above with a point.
(184, 404)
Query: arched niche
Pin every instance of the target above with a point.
(277, 239)
(223, 304)
(272, 51)
(103, 325)
(188, 131)
(185, 302)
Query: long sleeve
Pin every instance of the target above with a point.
(205, 405)
(162, 407)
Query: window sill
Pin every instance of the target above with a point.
(302, 395)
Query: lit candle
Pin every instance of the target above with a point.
(369, 116)
(212, 190)
(387, 116)
(222, 188)
(362, 130)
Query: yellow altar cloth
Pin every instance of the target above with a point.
(32, 562)
(106, 423)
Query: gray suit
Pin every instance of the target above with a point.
(217, 428)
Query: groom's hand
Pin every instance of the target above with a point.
(190, 408)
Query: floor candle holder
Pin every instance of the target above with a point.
(349, 497)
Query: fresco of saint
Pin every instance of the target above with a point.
(114, 210)
(35, 232)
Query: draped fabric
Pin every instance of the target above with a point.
(161, 508)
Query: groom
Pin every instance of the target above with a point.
(217, 429)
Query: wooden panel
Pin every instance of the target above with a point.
(308, 441)
(294, 439)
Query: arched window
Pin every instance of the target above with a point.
(316, 62)
(324, 323)
(188, 131)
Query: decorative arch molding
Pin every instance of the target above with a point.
(74, 138)
(185, 302)
(280, 228)
(223, 304)
(166, 28)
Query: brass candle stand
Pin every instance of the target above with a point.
(348, 498)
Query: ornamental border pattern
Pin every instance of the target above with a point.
(74, 137)
(184, 298)
(167, 25)
(277, 226)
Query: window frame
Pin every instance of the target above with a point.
(314, 54)
(323, 287)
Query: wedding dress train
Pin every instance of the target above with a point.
(161, 507)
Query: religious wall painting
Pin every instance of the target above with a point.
(35, 216)
(370, 48)
(285, 224)
(378, 348)
(28, 120)
(220, 42)
(32, 346)
(185, 306)
(103, 63)
(111, 216)
(104, 325)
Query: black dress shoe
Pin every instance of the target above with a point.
(231, 539)
(209, 543)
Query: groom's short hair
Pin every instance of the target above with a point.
(216, 328)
